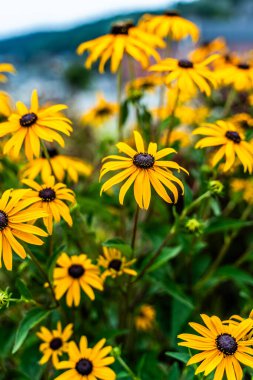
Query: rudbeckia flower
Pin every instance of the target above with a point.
(142, 168)
(101, 113)
(222, 347)
(170, 24)
(28, 126)
(51, 197)
(187, 74)
(62, 165)
(242, 120)
(232, 144)
(55, 342)
(145, 318)
(143, 84)
(6, 68)
(243, 186)
(240, 76)
(124, 38)
(87, 363)
(115, 263)
(6, 105)
(206, 48)
(72, 273)
(14, 216)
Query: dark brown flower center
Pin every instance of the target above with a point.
(84, 367)
(55, 344)
(226, 344)
(115, 264)
(3, 220)
(143, 160)
(243, 66)
(205, 43)
(28, 119)
(121, 27)
(52, 152)
(172, 13)
(47, 195)
(103, 111)
(185, 64)
(234, 136)
(244, 124)
(76, 271)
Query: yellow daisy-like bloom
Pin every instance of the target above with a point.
(143, 84)
(6, 68)
(243, 120)
(170, 24)
(14, 216)
(31, 125)
(72, 273)
(6, 106)
(145, 318)
(142, 168)
(240, 76)
(178, 136)
(55, 342)
(206, 48)
(244, 186)
(50, 197)
(223, 347)
(88, 363)
(115, 263)
(187, 74)
(124, 38)
(62, 165)
(101, 113)
(232, 144)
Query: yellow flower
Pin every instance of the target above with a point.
(240, 76)
(243, 120)
(115, 263)
(187, 74)
(62, 165)
(14, 216)
(244, 186)
(72, 273)
(54, 343)
(223, 347)
(143, 84)
(232, 144)
(6, 68)
(101, 113)
(206, 48)
(6, 105)
(142, 168)
(145, 318)
(177, 136)
(123, 38)
(50, 197)
(170, 24)
(31, 125)
(235, 320)
(87, 363)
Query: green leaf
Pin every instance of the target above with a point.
(181, 356)
(30, 320)
(174, 372)
(124, 112)
(221, 224)
(118, 244)
(174, 291)
(166, 255)
(235, 274)
(23, 290)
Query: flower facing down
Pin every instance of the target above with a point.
(124, 38)
(14, 216)
(222, 347)
(101, 113)
(54, 342)
(6, 68)
(145, 318)
(62, 166)
(72, 273)
(231, 142)
(28, 126)
(87, 363)
(188, 75)
(51, 197)
(142, 168)
(115, 263)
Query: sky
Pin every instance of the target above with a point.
(19, 16)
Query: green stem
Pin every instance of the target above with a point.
(45, 151)
(119, 95)
(170, 126)
(127, 368)
(229, 102)
(135, 224)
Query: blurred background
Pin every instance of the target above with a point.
(40, 39)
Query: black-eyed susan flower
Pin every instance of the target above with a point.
(51, 197)
(6, 68)
(186, 74)
(62, 166)
(73, 273)
(6, 105)
(14, 216)
(124, 38)
(145, 318)
(239, 75)
(235, 320)
(115, 264)
(206, 48)
(102, 112)
(232, 142)
(28, 126)
(170, 24)
(222, 347)
(87, 363)
(55, 342)
(143, 84)
(142, 168)
(243, 186)
(243, 120)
